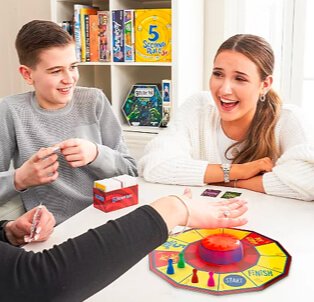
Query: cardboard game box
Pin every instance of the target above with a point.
(115, 193)
(153, 35)
(118, 35)
(143, 105)
(129, 35)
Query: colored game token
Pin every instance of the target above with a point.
(211, 280)
(170, 268)
(194, 276)
(181, 263)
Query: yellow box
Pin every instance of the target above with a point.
(153, 35)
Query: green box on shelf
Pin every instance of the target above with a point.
(143, 105)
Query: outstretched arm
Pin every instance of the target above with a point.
(84, 265)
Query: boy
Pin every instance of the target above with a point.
(78, 122)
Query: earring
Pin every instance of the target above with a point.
(262, 98)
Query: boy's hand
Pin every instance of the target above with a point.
(40, 169)
(18, 231)
(78, 152)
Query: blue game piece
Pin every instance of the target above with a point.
(170, 268)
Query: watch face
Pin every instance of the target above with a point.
(226, 167)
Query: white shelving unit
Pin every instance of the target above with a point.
(116, 79)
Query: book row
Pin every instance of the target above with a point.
(140, 35)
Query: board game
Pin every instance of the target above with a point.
(143, 105)
(153, 35)
(264, 262)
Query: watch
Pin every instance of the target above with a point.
(226, 170)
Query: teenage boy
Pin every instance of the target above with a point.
(60, 137)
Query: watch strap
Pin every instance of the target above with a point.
(226, 171)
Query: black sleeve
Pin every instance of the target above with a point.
(3, 237)
(82, 266)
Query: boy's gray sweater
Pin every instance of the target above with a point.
(25, 128)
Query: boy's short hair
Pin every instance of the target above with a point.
(36, 36)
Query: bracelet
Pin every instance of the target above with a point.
(235, 183)
(184, 200)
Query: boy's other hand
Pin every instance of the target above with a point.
(40, 169)
(78, 152)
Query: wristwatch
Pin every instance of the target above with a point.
(226, 170)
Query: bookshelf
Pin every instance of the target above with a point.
(116, 79)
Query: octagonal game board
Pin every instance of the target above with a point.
(264, 262)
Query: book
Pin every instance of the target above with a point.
(129, 35)
(166, 92)
(93, 38)
(118, 35)
(85, 28)
(87, 39)
(77, 28)
(153, 35)
(104, 26)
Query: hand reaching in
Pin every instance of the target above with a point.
(215, 214)
(200, 213)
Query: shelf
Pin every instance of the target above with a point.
(142, 129)
(116, 79)
(169, 64)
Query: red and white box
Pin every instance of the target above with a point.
(115, 193)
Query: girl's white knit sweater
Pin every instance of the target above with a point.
(181, 153)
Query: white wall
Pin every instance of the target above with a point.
(13, 15)
(214, 34)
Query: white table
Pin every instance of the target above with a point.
(288, 221)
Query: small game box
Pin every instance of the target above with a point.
(104, 36)
(118, 35)
(129, 35)
(115, 193)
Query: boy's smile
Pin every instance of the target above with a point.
(54, 77)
